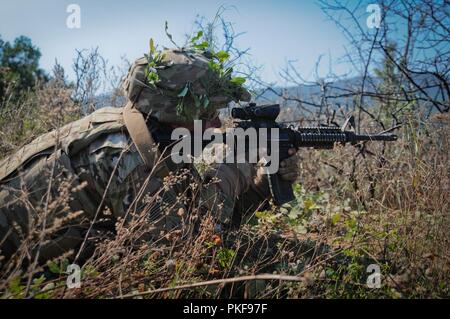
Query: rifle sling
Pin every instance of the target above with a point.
(144, 142)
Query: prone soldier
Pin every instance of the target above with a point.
(111, 163)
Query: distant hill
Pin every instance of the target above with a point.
(339, 94)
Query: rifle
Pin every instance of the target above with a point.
(264, 116)
(321, 137)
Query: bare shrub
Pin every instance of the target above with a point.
(384, 204)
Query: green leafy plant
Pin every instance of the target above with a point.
(219, 62)
(225, 257)
(154, 59)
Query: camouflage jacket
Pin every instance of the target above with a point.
(89, 170)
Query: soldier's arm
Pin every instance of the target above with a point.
(243, 187)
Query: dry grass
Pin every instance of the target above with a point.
(390, 208)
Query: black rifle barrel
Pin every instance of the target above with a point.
(329, 135)
(375, 137)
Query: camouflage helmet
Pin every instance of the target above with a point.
(178, 86)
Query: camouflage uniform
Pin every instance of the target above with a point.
(106, 170)
(114, 173)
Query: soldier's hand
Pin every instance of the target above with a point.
(289, 167)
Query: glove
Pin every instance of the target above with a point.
(232, 179)
(224, 183)
(288, 170)
(289, 167)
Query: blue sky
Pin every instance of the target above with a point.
(275, 30)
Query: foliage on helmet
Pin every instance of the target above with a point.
(183, 84)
